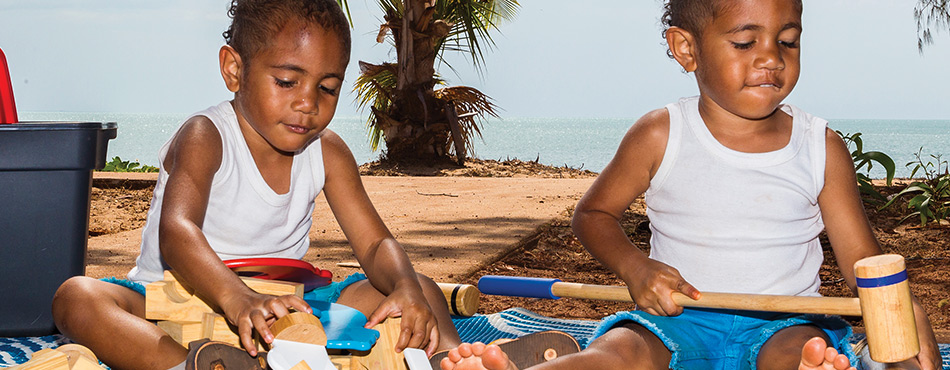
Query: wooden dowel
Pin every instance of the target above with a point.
(752, 302)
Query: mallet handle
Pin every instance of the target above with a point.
(734, 301)
(554, 288)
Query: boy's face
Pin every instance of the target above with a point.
(288, 91)
(748, 57)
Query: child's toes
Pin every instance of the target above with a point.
(841, 362)
(464, 350)
(813, 354)
(478, 348)
(494, 358)
(447, 362)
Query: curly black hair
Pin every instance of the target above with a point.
(692, 15)
(254, 22)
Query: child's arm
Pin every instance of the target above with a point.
(597, 216)
(382, 258)
(191, 161)
(851, 236)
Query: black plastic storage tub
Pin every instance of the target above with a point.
(45, 183)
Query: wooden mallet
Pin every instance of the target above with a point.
(461, 298)
(884, 302)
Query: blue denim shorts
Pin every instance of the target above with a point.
(329, 293)
(725, 339)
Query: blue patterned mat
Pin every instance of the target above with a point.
(510, 323)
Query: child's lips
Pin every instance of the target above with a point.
(766, 83)
(771, 85)
(297, 129)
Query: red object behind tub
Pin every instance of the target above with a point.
(7, 106)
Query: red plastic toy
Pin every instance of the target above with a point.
(286, 269)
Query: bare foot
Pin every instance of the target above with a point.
(816, 355)
(477, 356)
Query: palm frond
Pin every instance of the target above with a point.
(472, 21)
(374, 88)
(391, 6)
(472, 106)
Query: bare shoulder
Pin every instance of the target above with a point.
(836, 151)
(644, 143)
(197, 140)
(337, 157)
(198, 129)
(832, 137)
(839, 172)
(330, 140)
(653, 126)
(334, 147)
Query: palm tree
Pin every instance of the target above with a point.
(416, 119)
(930, 14)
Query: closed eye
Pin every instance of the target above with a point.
(329, 91)
(285, 84)
(789, 44)
(743, 45)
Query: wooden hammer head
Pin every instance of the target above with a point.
(887, 308)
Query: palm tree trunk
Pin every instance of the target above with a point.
(413, 98)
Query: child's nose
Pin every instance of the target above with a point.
(770, 57)
(306, 103)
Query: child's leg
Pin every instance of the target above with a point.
(630, 346)
(365, 298)
(800, 347)
(109, 319)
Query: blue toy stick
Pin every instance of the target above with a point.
(517, 286)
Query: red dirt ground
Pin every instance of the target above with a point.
(555, 252)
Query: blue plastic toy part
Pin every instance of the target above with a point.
(517, 286)
(344, 326)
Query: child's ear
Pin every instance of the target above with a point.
(683, 46)
(231, 66)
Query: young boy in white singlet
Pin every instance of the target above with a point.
(738, 186)
(239, 180)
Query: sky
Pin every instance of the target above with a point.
(557, 58)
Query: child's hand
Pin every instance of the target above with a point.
(254, 311)
(652, 287)
(419, 326)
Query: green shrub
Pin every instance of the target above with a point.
(931, 195)
(864, 159)
(118, 165)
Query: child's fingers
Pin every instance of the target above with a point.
(668, 307)
(419, 333)
(298, 304)
(379, 315)
(433, 340)
(405, 334)
(260, 324)
(277, 307)
(245, 332)
(666, 303)
(689, 290)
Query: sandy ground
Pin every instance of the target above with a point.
(449, 226)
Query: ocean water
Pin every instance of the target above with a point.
(587, 143)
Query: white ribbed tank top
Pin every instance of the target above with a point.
(739, 222)
(245, 217)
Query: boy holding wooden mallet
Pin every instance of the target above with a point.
(738, 186)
